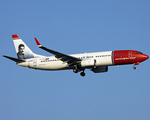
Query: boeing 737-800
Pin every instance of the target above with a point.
(97, 62)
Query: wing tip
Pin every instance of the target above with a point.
(37, 42)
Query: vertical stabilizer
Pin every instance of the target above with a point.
(22, 50)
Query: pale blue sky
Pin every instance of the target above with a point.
(71, 27)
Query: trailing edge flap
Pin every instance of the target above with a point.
(14, 59)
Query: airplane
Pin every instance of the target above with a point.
(97, 62)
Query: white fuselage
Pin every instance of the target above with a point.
(52, 63)
(97, 62)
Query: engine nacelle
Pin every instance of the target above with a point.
(88, 63)
(100, 69)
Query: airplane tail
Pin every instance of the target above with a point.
(22, 50)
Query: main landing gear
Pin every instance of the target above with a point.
(82, 74)
(75, 70)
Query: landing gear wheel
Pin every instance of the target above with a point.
(82, 74)
(134, 66)
(75, 70)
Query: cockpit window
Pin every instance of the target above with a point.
(139, 53)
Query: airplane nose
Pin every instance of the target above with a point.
(145, 57)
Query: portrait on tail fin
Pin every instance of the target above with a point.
(20, 53)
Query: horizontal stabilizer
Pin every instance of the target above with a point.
(14, 59)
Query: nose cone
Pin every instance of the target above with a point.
(145, 57)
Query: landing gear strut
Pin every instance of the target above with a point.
(134, 67)
(75, 70)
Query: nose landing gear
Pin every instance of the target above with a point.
(134, 67)
(135, 64)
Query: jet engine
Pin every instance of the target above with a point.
(100, 69)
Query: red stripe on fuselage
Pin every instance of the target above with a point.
(127, 57)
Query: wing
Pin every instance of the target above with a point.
(63, 57)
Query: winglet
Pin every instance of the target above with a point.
(37, 42)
